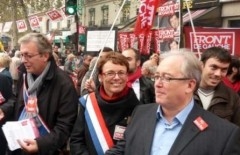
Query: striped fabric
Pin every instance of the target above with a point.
(98, 130)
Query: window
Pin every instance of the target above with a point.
(91, 17)
(125, 13)
(48, 25)
(234, 23)
(68, 23)
(105, 10)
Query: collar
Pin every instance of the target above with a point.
(181, 116)
(1, 69)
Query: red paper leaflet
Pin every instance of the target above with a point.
(123, 40)
(142, 42)
(133, 40)
(145, 43)
(156, 41)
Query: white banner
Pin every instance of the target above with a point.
(1, 27)
(7, 26)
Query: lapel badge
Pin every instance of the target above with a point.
(200, 123)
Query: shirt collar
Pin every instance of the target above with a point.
(181, 116)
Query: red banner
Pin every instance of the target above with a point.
(156, 41)
(123, 38)
(146, 13)
(142, 42)
(209, 37)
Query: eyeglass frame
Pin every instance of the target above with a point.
(168, 79)
(27, 56)
(112, 74)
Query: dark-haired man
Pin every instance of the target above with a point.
(213, 95)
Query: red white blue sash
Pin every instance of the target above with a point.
(98, 130)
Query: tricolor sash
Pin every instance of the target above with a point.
(42, 128)
(97, 127)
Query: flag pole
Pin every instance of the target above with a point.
(106, 39)
(194, 32)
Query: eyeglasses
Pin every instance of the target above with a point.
(111, 74)
(168, 79)
(27, 56)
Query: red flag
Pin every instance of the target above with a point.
(145, 17)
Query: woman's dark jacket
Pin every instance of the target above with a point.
(115, 113)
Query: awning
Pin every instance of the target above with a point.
(210, 17)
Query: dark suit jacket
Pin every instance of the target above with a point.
(147, 94)
(219, 138)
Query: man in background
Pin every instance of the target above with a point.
(87, 58)
(142, 86)
(213, 95)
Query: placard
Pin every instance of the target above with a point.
(96, 39)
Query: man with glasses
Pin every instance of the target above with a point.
(213, 95)
(176, 125)
(45, 94)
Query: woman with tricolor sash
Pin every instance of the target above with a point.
(103, 114)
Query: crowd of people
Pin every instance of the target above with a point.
(115, 104)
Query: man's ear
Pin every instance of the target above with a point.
(191, 86)
(234, 69)
(46, 56)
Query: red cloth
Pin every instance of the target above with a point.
(147, 10)
(133, 77)
(115, 96)
(234, 86)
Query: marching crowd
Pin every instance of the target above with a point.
(114, 103)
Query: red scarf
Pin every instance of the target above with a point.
(133, 77)
(115, 97)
